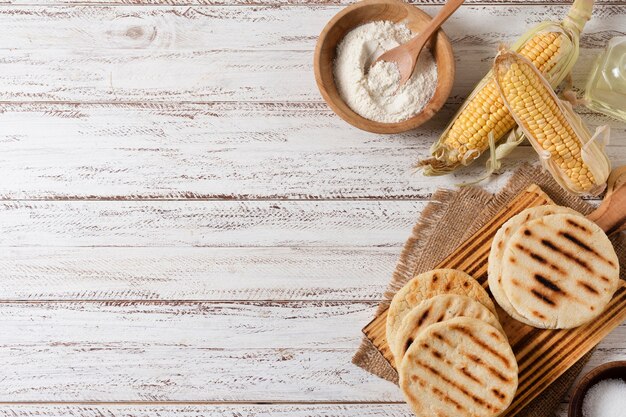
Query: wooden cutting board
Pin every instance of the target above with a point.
(542, 355)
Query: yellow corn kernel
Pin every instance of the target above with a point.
(487, 104)
(561, 141)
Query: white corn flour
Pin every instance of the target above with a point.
(375, 94)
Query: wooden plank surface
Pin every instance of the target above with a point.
(302, 3)
(207, 223)
(221, 150)
(288, 28)
(203, 410)
(137, 273)
(224, 148)
(158, 70)
(168, 351)
(119, 75)
(165, 273)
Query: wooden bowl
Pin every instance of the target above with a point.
(611, 370)
(373, 10)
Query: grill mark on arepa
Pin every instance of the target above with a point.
(482, 344)
(542, 297)
(440, 337)
(418, 380)
(496, 222)
(498, 394)
(584, 246)
(444, 398)
(468, 374)
(578, 226)
(423, 317)
(538, 315)
(493, 371)
(539, 258)
(587, 287)
(436, 353)
(548, 244)
(548, 284)
(454, 384)
(408, 344)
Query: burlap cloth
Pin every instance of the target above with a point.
(447, 221)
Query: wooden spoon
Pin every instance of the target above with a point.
(611, 214)
(405, 56)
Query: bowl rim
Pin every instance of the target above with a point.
(356, 120)
(587, 381)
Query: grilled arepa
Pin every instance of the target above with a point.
(427, 285)
(500, 241)
(435, 310)
(459, 367)
(559, 271)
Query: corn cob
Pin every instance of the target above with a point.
(576, 161)
(552, 47)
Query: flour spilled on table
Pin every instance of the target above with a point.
(374, 94)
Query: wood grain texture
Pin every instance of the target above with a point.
(121, 351)
(292, 273)
(146, 351)
(150, 63)
(207, 223)
(207, 325)
(203, 410)
(120, 75)
(221, 150)
(155, 372)
(217, 149)
(301, 3)
(210, 28)
(222, 410)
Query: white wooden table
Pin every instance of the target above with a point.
(187, 229)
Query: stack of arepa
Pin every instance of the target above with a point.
(451, 354)
(550, 267)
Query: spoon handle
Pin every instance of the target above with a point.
(434, 25)
(611, 214)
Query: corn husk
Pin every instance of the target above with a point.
(443, 160)
(593, 152)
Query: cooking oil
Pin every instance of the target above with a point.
(606, 88)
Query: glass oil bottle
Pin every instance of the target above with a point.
(606, 87)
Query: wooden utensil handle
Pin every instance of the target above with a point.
(434, 25)
(611, 214)
(445, 12)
